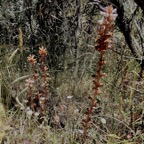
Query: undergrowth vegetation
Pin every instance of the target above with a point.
(39, 108)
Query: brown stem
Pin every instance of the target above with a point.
(105, 33)
(37, 87)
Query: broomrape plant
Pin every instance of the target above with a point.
(103, 44)
(37, 95)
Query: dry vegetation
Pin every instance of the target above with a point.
(117, 118)
(38, 106)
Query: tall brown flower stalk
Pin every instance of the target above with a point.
(103, 44)
(38, 92)
(44, 69)
(33, 61)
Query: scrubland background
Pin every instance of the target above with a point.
(68, 29)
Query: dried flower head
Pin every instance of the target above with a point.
(29, 82)
(103, 44)
(31, 59)
(109, 12)
(42, 52)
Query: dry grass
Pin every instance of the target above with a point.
(117, 118)
(110, 122)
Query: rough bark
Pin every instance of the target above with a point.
(140, 3)
(124, 25)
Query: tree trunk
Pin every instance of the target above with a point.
(77, 38)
